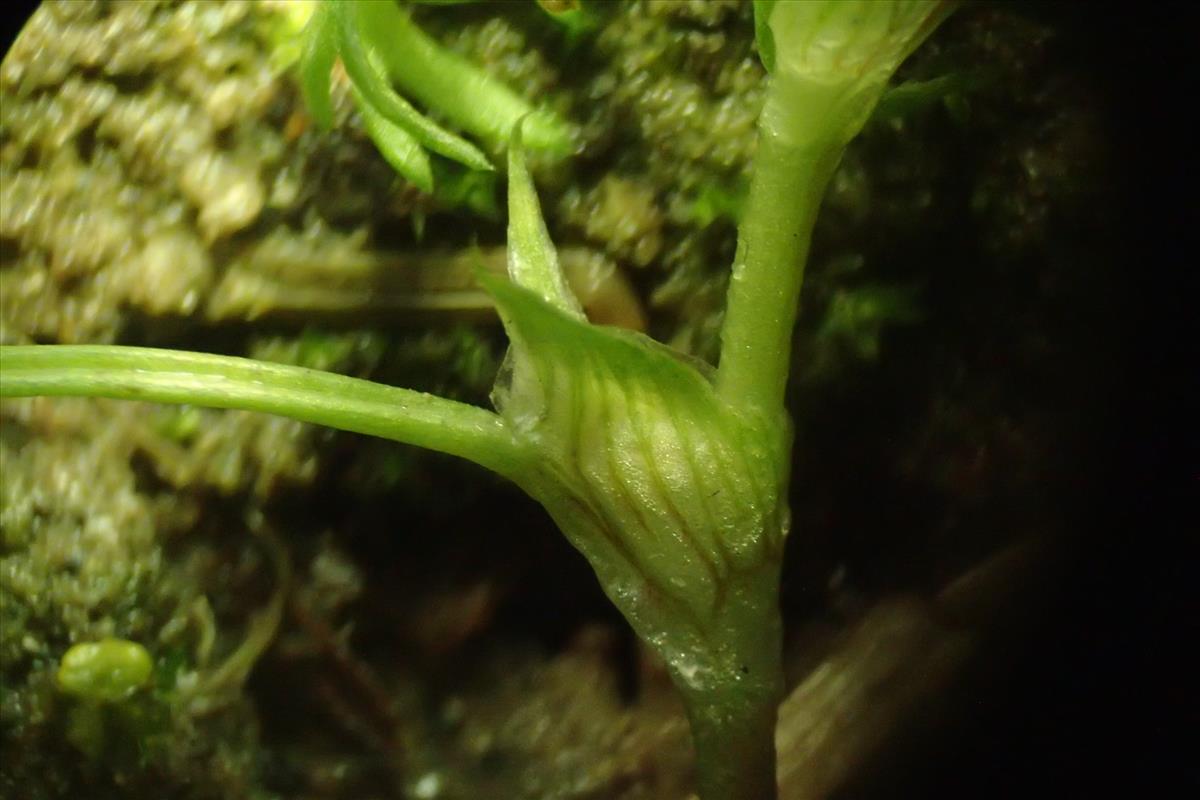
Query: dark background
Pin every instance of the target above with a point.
(1100, 701)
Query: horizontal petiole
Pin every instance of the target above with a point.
(337, 401)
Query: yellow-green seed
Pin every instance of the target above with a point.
(107, 670)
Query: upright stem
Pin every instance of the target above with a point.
(789, 180)
(732, 688)
(734, 741)
(830, 61)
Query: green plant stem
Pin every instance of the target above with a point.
(735, 746)
(788, 183)
(733, 711)
(349, 404)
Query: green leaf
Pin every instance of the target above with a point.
(532, 259)
(376, 91)
(762, 33)
(399, 148)
(316, 61)
(458, 89)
